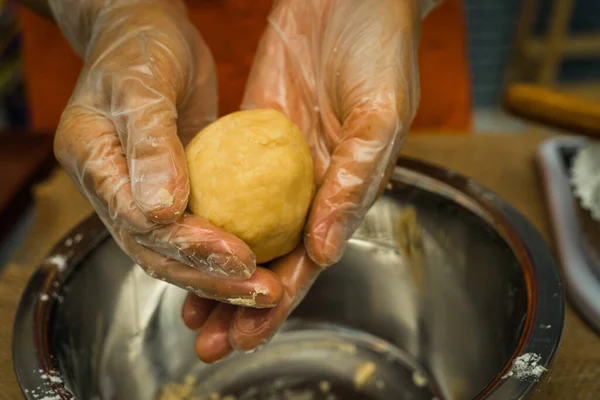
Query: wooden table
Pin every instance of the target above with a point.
(503, 163)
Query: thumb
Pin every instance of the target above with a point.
(357, 170)
(139, 68)
(146, 120)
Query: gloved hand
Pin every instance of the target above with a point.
(346, 72)
(147, 86)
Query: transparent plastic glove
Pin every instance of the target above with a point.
(223, 328)
(346, 72)
(147, 86)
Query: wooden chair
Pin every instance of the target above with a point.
(539, 58)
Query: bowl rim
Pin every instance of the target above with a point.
(542, 330)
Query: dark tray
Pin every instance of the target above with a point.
(576, 234)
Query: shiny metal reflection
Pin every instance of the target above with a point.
(378, 325)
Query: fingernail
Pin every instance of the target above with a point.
(251, 320)
(218, 360)
(334, 244)
(262, 299)
(151, 178)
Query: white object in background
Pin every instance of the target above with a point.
(580, 272)
(585, 178)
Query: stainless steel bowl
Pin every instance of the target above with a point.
(477, 312)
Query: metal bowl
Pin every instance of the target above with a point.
(445, 292)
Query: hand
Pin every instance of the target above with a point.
(147, 87)
(346, 73)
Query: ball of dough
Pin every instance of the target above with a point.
(251, 174)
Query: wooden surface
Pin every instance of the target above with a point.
(503, 163)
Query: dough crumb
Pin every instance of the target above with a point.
(324, 386)
(363, 374)
(526, 366)
(241, 301)
(179, 391)
(419, 379)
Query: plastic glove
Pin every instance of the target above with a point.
(147, 86)
(346, 72)
(223, 328)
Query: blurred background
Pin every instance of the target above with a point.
(553, 43)
(13, 105)
(550, 42)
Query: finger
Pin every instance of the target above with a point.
(145, 116)
(87, 146)
(252, 327)
(387, 175)
(262, 290)
(356, 171)
(274, 82)
(156, 159)
(198, 243)
(141, 92)
(195, 311)
(212, 342)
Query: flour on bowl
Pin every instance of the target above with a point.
(59, 261)
(46, 390)
(526, 366)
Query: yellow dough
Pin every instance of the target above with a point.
(251, 174)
